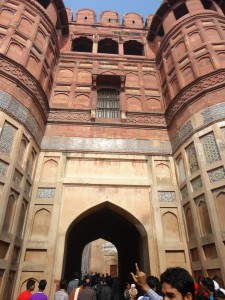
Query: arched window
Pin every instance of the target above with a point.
(180, 11)
(207, 4)
(133, 48)
(108, 104)
(44, 3)
(82, 44)
(108, 46)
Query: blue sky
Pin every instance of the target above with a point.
(142, 7)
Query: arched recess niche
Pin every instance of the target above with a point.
(112, 223)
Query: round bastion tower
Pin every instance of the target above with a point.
(188, 38)
(30, 36)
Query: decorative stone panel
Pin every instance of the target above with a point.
(184, 192)
(192, 158)
(196, 183)
(27, 188)
(6, 138)
(216, 174)
(167, 196)
(3, 168)
(17, 177)
(210, 148)
(48, 193)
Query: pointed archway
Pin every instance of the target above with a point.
(112, 223)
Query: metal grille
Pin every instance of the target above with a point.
(108, 104)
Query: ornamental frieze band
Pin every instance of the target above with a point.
(18, 73)
(192, 92)
(85, 116)
(209, 116)
(69, 116)
(60, 143)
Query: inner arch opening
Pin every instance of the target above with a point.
(100, 256)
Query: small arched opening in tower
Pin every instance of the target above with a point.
(221, 5)
(108, 46)
(180, 11)
(44, 3)
(82, 44)
(207, 4)
(133, 48)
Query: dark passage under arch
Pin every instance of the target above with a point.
(111, 223)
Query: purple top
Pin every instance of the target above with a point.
(38, 296)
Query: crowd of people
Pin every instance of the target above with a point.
(174, 284)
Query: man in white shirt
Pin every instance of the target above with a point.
(177, 284)
(62, 294)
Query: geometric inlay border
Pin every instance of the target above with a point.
(20, 113)
(59, 143)
(209, 115)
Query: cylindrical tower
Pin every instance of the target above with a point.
(31, 33)
(188, 37)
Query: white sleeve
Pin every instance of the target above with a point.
(153, 295)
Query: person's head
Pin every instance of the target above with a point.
(207, 285)
(154, 284)
(87, 281)
(76, 275)
(132, 286)
(63, 284)
(127, 285)
(80, 283)
(30, 285)
(177, 284)
(42, 284)
(108, 281)
(218, 295)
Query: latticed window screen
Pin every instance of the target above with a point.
(210, 148)
(108, 104)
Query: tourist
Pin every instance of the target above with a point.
(40, 294)
(208, 287)
(106, 292)
(62, 294)
(73, 283)
(75, 293)
(98, 287)
(177, 284)
(25, 295)
(126, 291)
(87, 293)
(133, 292)
(154, 283)
(219, 295)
